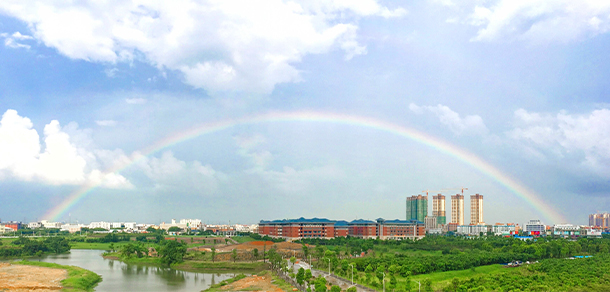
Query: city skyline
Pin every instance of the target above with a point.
(334, 109)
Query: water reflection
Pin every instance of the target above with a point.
(118, 276)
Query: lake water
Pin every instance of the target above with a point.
(118, 276)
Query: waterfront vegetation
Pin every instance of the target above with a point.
(78, 279)
(25, 247)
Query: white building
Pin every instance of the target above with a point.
(193, 224)
(72, 228)
(430, 222)
(49, 224)
(503, 229)
(566, 230)
(130, 225)
(101, 224)
(34, 225)
(116, 225)
(472, 229)
(535, 227)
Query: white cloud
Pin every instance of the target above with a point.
(565, 134)
(540, 20)
(247, 148)
(106, 123)
(469, 125)
(12, 41)
(135, 100)
(170, 172)
(217, 45)
(61, 161)
(111, 72)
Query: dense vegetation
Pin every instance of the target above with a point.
(397, 262)
(24, 246)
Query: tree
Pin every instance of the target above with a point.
(172, 252)
(213, 253)
(301, 276)
(293, 260)
(320, 285)
(174, 229)
(111, 246)
(352, 289)
(335, 288)
(427, 283)
(308, 275)
(305, 251)
(234, 254)
(255, 253)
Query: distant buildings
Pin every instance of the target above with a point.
(457, 209)
(476, 210)
(438, 209)
(295, 229)
(417, 208)
(601, 220)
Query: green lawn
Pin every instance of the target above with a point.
(96, 245)
(197, 266)
(78, 279)
(441, 279)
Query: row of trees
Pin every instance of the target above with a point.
(24, 246)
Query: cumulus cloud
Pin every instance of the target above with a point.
(247, 148)
(540, 20)
(564, 134)
(59, 162)
(216, 45)
(469, 125)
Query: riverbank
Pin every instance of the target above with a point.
(264, 281)
(42, 276)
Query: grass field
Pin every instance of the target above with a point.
(242, 239)
(441, 279)
(197, 266)
(78, 279)
(95, 245)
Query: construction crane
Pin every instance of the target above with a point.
(454, 189)
(426, 191)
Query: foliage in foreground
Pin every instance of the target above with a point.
(589, 274)
(28, 247)
(78, 279)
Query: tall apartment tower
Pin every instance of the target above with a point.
(476, 210)
(457, 209)
(438, 209)
(417, 208)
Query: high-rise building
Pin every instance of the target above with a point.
(417, 208)
(599, 220)
(438, 209)
(476, 210)
(457, 209)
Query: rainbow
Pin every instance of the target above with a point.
(484, 167)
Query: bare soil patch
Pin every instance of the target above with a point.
(253, 283)
(29, 278)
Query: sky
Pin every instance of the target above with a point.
(238, 111)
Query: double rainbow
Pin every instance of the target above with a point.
(484, 167)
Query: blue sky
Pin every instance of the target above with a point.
(85, 87)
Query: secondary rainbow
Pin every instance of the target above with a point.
(324, 117)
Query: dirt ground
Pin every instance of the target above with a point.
(248, 246)
(253, 283)
(29, 278)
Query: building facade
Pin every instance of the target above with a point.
(535, 227)
(601, 220)
(295, 229)
(438, 209)
(457, 209)
(472, 230)
(417, 208)
(476, 210)
(430, 222)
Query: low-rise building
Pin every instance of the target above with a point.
(504, 229)
(362, 228)
(472, 230)
(566, 230)
(100, 224)
(430, 222)
(49, 224)
(400, 229)
(34, 225)
(14, 225)
(535, 227)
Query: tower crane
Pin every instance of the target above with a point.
(453, 189)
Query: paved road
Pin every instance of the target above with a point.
(331, 280)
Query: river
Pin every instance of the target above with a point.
(118, 276)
